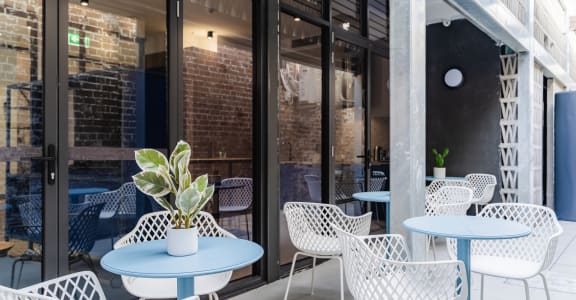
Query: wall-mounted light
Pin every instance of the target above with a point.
(210, 35)
(346, 26)
(84, 2)
(296, 19)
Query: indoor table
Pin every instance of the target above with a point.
(432, 178)
(150, 260)
(376, 197)
(467, 228)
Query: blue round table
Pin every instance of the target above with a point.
(432, 178)
(465, 229)
(150, 260)
(376, 197)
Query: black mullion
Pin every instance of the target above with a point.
(175, 80)
(364, 17)
(328, 110)
(314, 20)
(367, 114)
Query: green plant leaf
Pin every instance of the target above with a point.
(446, 151)
(152, 183)
(164, 203)
(179, 148)
(201, 182)
(185, 180)
(150, 159)
(182, 160)
(434, 151)
(188, 200)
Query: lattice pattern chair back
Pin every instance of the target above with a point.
(237, 198)
(377, 267)
(449, 200)
(309, 226)
(436, 184)
(7, 293)
(111, 202)
(77, 286)
(153, 226)
(483, 186)
(539, 246)
(345, 190)
(376, 184)
(128, 203)
(31, 216)
(83, 229)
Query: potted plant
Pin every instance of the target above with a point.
(161, 177)
(439, 158)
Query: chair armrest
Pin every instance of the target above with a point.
(551, 250)
(85, 283)
(357, 225)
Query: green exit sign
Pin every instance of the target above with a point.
(75, 39)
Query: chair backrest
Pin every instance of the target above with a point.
(153, 226)
(539, 246)
(345, 189)
(111, 202)
(7, 293)
(449, 200)
(77, 286)
(83, 229)
(483, 186)
(314, 187)
(436, 184)
(309, 225)
(376, 267)
(376, 184)
(240, 197)
(128, 203)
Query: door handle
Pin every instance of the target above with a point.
(50, 159)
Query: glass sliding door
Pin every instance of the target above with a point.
(116, 103)
(21, 142)
(218, 108)
(300, 111)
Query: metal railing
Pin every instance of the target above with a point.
(519, 8)
(547, 31)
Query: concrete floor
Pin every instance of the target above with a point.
(561, 279)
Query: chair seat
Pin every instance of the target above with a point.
(323, 245)
(504, 267)
(158, 288)
(232, 208)
(389, 286)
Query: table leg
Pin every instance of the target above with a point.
(388, 217)
(463, 250)
(185, 287)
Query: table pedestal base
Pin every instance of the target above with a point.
(185, 287)
(463, 252)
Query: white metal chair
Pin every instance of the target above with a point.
(111, 200)
(447, 201)
(520, 258)
(152, 226)
(377, 267)
(236, 200)
(309, 226)
(483, 187)
(436, 184)
(77, 286)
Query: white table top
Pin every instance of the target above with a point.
(467, 227)
(378, 196)
(150, 259)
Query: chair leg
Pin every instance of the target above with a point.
(290, 276)
(545, 286)
(481, 286)
(476, 208)
(13, 270)
(341, 277)
(312, 282)
(247, 227)
(215, 296)
(526, 289)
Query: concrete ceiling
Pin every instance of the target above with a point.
(438, 11)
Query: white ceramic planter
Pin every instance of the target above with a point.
(439, 173)
(182, 242)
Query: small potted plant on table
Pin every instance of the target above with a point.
(161, 177)
(439, 159)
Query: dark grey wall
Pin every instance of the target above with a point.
(465, 119)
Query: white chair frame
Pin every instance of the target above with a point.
(483, 187)
(309, 227)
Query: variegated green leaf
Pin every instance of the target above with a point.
(188, 200)
(165, 203)
(150, 159)
(202, 182)
(185, 180)
(180, 147)
(152, 183)
(182, 161)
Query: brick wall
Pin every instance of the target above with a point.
(218, 107)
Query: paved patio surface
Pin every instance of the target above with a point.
(561, 280)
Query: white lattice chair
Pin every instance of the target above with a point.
(519, 258)
(236, 200)
(447, 201)
(483, 186)
(309, 226)
(377, 267)
(128, 203)
(436, 184)
(152, 226)
(111, 202)
(77, 286)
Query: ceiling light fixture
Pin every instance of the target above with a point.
(84, 2)
(297, 19)
(210, 34)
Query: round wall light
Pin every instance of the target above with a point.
(453, 78)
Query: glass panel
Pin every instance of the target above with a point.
(21, 138)
(313, 7)
(350, 124)
(378, 24)
(116, 104)
(346, 14)
(300, 111)
(380, 126)
(218, 107)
